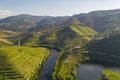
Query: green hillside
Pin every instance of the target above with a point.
(70, 34)
(110, 75)
(4, 42)
(106, 49)
(67, 37)
(21, 63)
(4, 35)
(72, 38)
(67, 63)
(31, 40)
(101, 20)
(27, 39)
(84, 32)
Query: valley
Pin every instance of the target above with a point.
(60, 48)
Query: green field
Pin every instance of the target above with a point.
(21, 63)
(110, 75)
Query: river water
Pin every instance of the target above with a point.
(46, 71)
(89, 72)
(93, 71)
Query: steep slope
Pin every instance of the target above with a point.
(106, 49)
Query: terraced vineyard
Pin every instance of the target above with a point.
(21, 63)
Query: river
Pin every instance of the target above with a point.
(89, 72)
(93, 71)
(46, 71)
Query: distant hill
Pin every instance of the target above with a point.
(101, 21)
(22, 23)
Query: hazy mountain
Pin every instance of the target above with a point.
(101, 21)
(20, 22)
(50, 23)
(24, 22)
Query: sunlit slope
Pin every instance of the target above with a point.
(85, 32)
(20, 63)
(110, 75)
